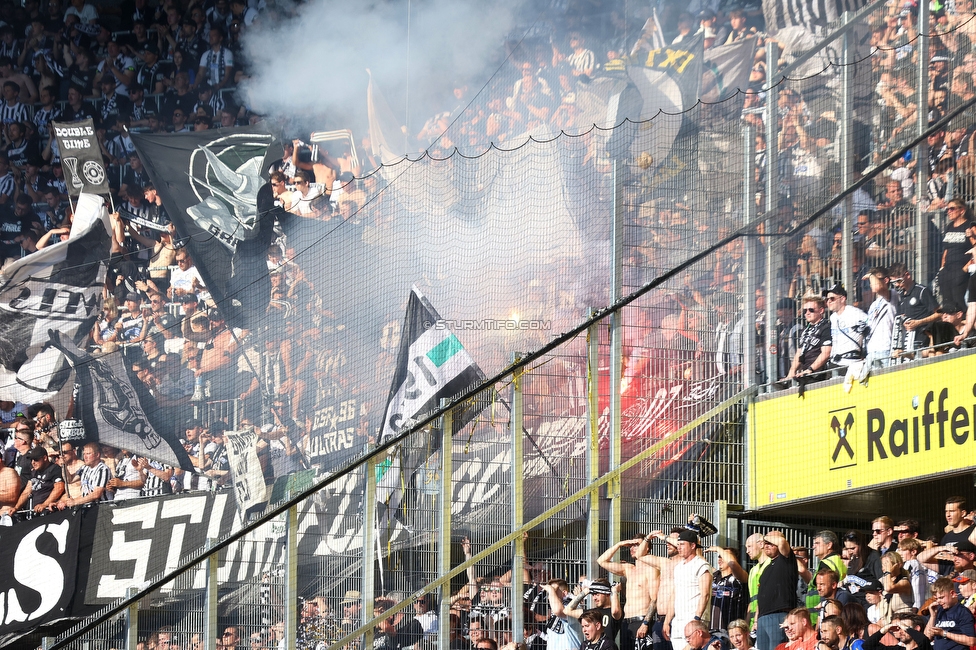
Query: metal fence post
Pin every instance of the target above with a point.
(749, 261)
(291, 577)
(211, 635)
(720, 517)
(771, 190)
(845, 151)
(772, 129)
(593, 446)
(444, 532)
(369, 550)
(922, 271)
(132, 620)
(518, 502)
(616, 350)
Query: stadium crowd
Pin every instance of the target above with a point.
(153, 68)
(174, 67)
(845, 592)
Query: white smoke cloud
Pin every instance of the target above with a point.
(313, 62)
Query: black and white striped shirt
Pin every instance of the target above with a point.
(154, 486)
(8, 185)
(215, 104)
(42, 120)
(95, 477)
(15, 112)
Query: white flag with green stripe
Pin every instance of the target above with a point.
(431, 365)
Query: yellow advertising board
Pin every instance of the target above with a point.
(904, 425)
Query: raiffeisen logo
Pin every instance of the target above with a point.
(925, 428)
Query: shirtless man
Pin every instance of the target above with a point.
(28, 91)
(642, 584)
(9, 486)
(70, 469)
(660, 631)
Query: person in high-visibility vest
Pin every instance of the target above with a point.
(826, 548)
(754, 548)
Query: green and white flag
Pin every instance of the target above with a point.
(431, 365)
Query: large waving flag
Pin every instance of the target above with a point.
(57, 288)
(212, 184)
(431, 365)
(114, 408)
(726, 70)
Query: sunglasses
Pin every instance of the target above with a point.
(810, 310)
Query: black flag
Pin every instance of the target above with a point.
(112, 409)
(81, 159)
(210, 183)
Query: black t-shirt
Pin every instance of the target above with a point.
(386, 642)
(611, 625)
(955, 244)
(43, 482)
(603, 643)
(11, 227)
(918, 303)
(777, 585)
(812, 339)
(945, 566)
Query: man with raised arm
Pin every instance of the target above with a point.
(754, 549)
(640, 608)
(777, 590)
(730, 590)
(660, 629)
(563, 632)
(692, 587)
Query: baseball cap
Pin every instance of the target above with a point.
(688, 536)
(837, 289)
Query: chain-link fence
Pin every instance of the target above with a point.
(704, 232)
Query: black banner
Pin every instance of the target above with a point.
(114, 411)
(333, 432)
(38, 560)
(57, 288)
(211, 184)
(81, 158)
(139, 541)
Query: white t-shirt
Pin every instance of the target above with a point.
(563, 633)
(842, 333)
(881, 320)
(125, 471)
(687, 596)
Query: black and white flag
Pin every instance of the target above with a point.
(113, 411)
(81, 158)
(431, 365)
(57, 288)
(250, 489)
(812, 15)
(211, 185)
